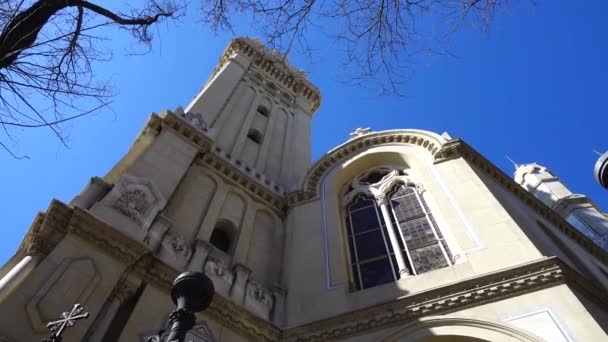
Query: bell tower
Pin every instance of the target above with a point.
(577, 209)
(201, 189)
(259, 109)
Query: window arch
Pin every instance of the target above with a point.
(390, 230)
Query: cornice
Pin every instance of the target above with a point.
(275, 67)
(244, 178)
(196, 136)
(449, 298)
(427, 141)
(61, 219)
(441, 151)
(483, 164)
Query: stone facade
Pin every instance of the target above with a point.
(225, 187)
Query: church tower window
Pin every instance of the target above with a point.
(255, 136)
(221, 237)
(390, 230)
(263, 111)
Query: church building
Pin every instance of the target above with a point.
(398, 235)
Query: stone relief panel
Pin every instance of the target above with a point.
(199, 333)
(136, 198)
(174, 250)
(73, 281)
(195, 120)
(222, 278)
(258, 299)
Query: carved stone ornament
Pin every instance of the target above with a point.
(177, 244)
(377, 182)
(360, 132)
(195, 120)
(132, 203)
(136, 198)
(215, 268)
(259, 293)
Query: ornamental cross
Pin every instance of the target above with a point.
(68, 319)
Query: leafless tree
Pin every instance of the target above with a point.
(48, 47)
(378, 39)
(47, 50)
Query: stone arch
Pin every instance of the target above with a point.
(428, 142)
(265, 253)
(234, 207)
(476, 329)
(417, 162)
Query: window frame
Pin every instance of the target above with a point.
(382, 193)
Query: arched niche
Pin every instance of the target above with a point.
(190, 202)
(459, 329)
(223, 236)
(265, 254)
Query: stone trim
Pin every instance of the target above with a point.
(177, 121)
(237, 175)
(426, 140)
(275, 67)
(483, 164)
(475, 291)
(440, 151)
(60, 220)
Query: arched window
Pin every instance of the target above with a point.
(390, 230)
(263, 111)
(255, 136)
(372, 260)
(222, 236)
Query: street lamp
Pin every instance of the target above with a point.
(191, 292)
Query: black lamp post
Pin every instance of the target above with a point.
(191, 292)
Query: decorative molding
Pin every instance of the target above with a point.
(269, 193)
(474, 291)
(137, 198)
(190, 126)
(310, 190)
(359, 132)
(484, 165)
(275, 68)
(440, 151)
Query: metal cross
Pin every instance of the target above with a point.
(68, 319)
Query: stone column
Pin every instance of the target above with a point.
(239, 287)
(121, 294)
(217, 202)
(92, 193)
(17, 275)
(157, 231)
(391, 235)
(202, 249)
(244, 240)
(278, 310)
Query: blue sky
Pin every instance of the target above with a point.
(534, 88)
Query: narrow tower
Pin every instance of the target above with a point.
(577, 209)
(201, 189)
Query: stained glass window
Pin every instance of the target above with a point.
(425, 246)
(373, 261)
